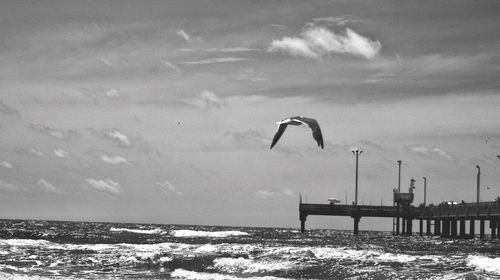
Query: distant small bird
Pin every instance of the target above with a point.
(498, 156)
(298, 120)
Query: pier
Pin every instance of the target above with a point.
(445, 220)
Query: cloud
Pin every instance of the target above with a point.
(171, 66)
(113, 159)
(167, 186)
(100, 94)
(207, 100)
(116, 136)
(47, 187)
(441, 153)
(215, 60)
(29, 152)
(184, 35)
(112, 93)
(7, 110)
(250, 75)
(53, 132)
(61, 153)
(266, 194)
(106, 61)
(106, 185)
(6, 186)
(431, 152)
(248, 137)
(318, 42)
(6, 164)
(222, 50)
(337, 20)
(36, 152)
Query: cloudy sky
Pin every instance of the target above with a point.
(163, 111)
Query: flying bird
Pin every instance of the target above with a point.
(312, 123)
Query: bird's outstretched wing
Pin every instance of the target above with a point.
(316, 130)
(278, 134)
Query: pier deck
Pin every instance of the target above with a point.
(444, 219)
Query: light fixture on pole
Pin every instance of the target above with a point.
(356, 152)
(478, 184)
(425, 189)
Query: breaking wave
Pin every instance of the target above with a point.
(138, 231)
(192, 275)
(485, 264)
(212, 234)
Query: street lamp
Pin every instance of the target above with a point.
(425, 189)
(356, 152)
(478, 184)
(399, 176)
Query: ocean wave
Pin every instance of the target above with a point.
(138, 231)
(484, 264)
(370, 255)
(8, 276)
(199, 233)
(242, 265)
(192, 275)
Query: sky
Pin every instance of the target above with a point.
(164, 111)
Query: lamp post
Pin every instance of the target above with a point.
(478, 184)
(356, 152)
(425, 189)
(399, 176)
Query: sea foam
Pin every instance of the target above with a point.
(213, 234)
(192, 275)
(486, 264)
(242, 265)
(138, 231)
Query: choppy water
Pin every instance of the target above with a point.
(77, 250)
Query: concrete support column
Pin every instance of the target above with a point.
(462, 228)
(397, 224)
(481, 228)
(437, 227)
(472, 223)
(453, 223)
(421, 230)
(356, 225)
(445, 231)
(409, 227)
(493, 227)
(428, 227)
(303, 222)
(403, 226)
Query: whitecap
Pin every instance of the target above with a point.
(139, 231)
(192, 275)
(197, 233)
(484, 264)
(242, 265)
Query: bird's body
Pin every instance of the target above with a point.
(299, 120)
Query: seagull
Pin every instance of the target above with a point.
(298, 120)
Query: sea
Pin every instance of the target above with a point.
(35, 249)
